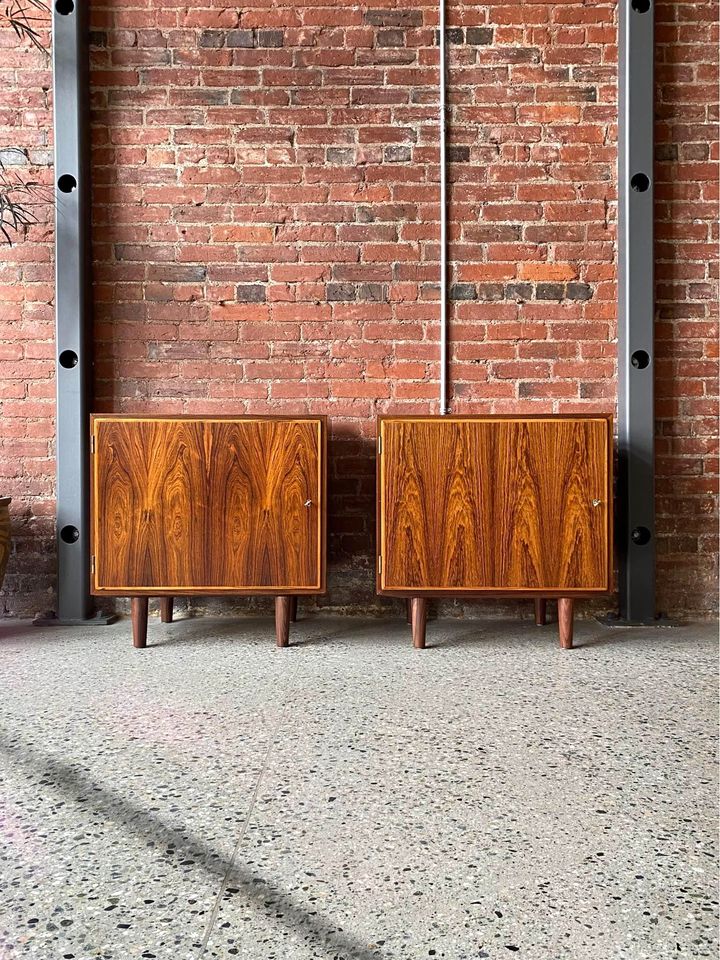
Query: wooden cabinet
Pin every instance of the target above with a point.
(208, 505)
(494, 506)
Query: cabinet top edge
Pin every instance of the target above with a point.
(479, 417)
(209, 418)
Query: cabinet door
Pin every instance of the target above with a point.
(265, 491)
(494, 505)
(149, 504)
(207, 505)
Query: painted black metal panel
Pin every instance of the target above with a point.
(72, 305)
(636, 401)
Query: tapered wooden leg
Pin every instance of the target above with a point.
(139, 616)
(540, 612)
(408, 610)
(166, 609)
(282, 620)
(293, 609)
(419, 619)
(565, 620)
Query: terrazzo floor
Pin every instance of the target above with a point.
(352, 798)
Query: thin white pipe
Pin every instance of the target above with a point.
(443, 224)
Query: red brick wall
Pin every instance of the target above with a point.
(686, 251)
(265, 216)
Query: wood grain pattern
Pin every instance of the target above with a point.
(494, 504)
(151, 505)
(263, 495)
(208, 505)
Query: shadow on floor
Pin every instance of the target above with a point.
(179, 846)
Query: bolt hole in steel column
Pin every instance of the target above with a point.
(640, 536)
(66, 183)
(640, 6)
(640, 359)
(64, 7)
(68, 359)
(640, 182)
(69, 534)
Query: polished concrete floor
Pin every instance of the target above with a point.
(352, 798)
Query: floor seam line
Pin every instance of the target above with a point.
(261, 776)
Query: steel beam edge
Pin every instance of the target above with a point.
(73, 304)
(635, 530)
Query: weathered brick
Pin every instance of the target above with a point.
(397, 154)
(341, 155)
(394, 18)
(240, 38)
(463, 291)
(490, 291)
(341, 291)
(390, 38)
(479, 35)
(518, 291)
(550, 291)
(270, 38)
(212, 38)
(578, 291)
(457, 154)
(250, 293)
(371, 291)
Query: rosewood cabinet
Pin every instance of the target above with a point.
(197, 506)
(494, 506)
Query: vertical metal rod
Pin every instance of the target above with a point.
(443, 222)
(636, 314)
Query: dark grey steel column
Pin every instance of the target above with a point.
(72, 308)
(636, 413)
